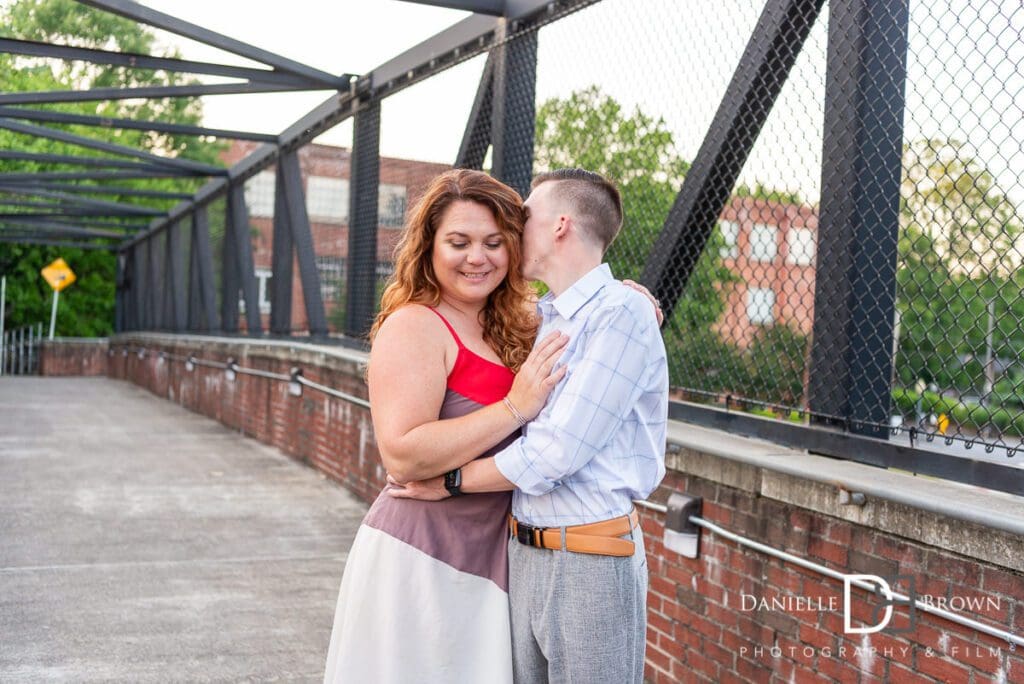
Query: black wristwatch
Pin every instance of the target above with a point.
(453, 482)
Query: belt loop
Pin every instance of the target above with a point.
(561, 531)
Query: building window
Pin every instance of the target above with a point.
(391, 205)
(760, 302)
(327, 199)
(801, 246)
(332, 277)
(763, 244)
(730, 232)
(259, 194)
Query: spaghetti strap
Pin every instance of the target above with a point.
(448, 325)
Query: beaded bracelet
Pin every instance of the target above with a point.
(514, 411)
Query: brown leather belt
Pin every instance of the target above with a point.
(600, 538)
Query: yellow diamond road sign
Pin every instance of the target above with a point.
(58, 274)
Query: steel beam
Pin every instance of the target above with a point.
(477, 136)
(31, 240)
(202, 296)
(133, 124)
(121, 190)
(147, 92)
(76, 160)
(281, 259)
(238, 217)
(79, 221)
(120, 279)
(166, 162)
(176, 278)
(145, 15)
(154, 303)
(44, 176)
(76, 201)
(858, 228)
(140, 61)
(57, 228)
(513, 109)
(138, 286)
(60, 215)
(302, 238)
(492, 7)
(364, 186)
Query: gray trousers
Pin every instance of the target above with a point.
(578, 618)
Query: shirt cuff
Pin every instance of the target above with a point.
(515, 467)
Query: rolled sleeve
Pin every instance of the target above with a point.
(516, 465)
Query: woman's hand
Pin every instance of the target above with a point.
(534, 381)
(422, 490)
(647, 293)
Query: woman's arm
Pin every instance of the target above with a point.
(407, 380)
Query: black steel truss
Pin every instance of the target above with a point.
(107, 122)
(121, 190)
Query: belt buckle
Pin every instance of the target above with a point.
(524, 534)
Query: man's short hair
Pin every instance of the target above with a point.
(594, 201)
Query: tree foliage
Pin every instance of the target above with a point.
(86, 307)
(958, 265)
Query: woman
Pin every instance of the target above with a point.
(424, 594)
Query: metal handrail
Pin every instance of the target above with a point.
(1009, 637)
(297, 376)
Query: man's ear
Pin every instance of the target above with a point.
(562, 227)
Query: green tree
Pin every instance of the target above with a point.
(86, 308)
(958, 262)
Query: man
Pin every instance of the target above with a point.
(577, 567)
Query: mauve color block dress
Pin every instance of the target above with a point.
(424, 596)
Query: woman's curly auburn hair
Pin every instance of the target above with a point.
(508, 319)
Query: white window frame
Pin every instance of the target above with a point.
(386, 195)
(763, 248)
(259, 194)
(730, 234)
(327, 199)
(761, 305)
(335, 265)
(801, 246)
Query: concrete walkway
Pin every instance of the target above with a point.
(140, 542)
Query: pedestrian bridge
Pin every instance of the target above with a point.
(188, 510)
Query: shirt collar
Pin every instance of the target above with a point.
(581, 292)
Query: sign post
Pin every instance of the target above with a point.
(59, 275)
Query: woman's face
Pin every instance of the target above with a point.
(470, 256)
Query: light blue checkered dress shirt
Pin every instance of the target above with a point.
(599, 443)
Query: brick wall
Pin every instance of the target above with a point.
(700, 629)
(707, 621)
(68, 356)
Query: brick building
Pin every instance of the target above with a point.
(325, 180)
(772, 247)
